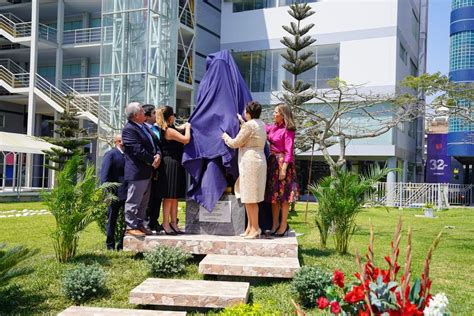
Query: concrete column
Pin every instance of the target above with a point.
(405, 171)
(391, 180)
(30, 127)
(86, 20)
(84, 67)
(59, 50)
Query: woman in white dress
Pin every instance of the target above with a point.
(250, 185)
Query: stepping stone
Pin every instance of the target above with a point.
(99, 311)
(253, 266)
(219, 245)
(190, 293)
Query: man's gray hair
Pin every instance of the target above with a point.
(131, 109)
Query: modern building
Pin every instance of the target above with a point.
(106, 53)
(461, 69)
(376, 43)
(94, 56)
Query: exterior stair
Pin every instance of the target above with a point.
(17, 31)
(16, 80)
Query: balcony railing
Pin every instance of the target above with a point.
(185, 74)
(186, 17)
(84, 85)
(81, 36)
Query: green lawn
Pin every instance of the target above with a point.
(451, 270)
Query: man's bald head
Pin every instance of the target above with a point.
(118, 141)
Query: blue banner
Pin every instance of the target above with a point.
(438, 163)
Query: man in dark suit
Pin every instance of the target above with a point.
(112, 171)
(142, 156)
(153, 210)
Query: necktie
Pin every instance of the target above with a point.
(149, 136)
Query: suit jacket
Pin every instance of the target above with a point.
(113, 171)
(139, 152)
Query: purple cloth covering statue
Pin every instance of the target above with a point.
(222, 94)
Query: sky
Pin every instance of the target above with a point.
(438, 36)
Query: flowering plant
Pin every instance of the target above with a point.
(380, 292)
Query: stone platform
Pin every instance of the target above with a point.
(219, 245)
(99, 311)
(190, 293)
(252, 266)
(227, 218)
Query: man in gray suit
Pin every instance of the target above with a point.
(142, 156)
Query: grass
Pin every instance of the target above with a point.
(451, 269)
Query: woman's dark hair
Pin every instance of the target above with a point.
(254, 109)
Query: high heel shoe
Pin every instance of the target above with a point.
(245, 233)
(177, 231)
(284, 233)
(171, 233)
(255, 235)
(272, 233)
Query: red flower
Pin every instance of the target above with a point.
(338, 278)
(335, 307)
(411, 310)
(322, 302)
(356, 295)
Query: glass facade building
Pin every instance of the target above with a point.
(461, 131)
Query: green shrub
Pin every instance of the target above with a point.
(165, 260)
(244, 310)
(75, 201)
(309, 283)
(10, 260)
(84, 282)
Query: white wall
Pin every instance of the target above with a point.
(332, 16)
(371, 62)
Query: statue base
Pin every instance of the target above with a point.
(227, 218)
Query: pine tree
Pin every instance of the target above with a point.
(71, 138)
(298, 59)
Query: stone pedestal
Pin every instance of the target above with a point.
(217, 222)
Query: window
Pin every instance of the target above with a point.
(247, 5)
(263, 70)
(94, 69)
(403, 53)
(2, 120)
(72, 71)
(47, 72)
(95, 22)
(413, 68)
(72, 25)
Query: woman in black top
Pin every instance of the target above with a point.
(172, 177)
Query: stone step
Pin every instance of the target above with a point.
(252, 266)
(100, 311)
(219, 245)
(189, 293)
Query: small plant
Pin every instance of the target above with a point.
(341, 199)
(84, 282)
(165, 260)
(244, 310)
(75, 202)
(309, 283)
(9, 260)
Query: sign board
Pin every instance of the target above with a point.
(220, 214)
(438, 163)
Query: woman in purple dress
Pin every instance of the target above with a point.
(281, 189)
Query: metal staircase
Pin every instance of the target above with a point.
(16, 80)
(18, 31)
